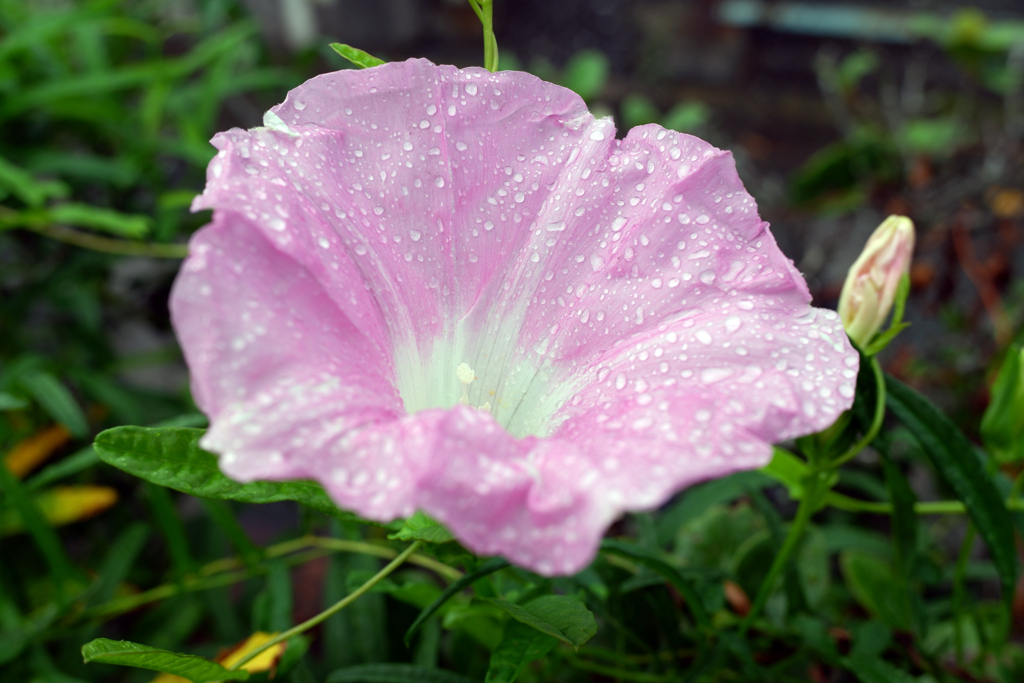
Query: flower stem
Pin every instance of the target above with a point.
(333, 609)
(485, 12)
(227, 571)
(876, 422)
(808, 505)
(110, 245)
(936, 507)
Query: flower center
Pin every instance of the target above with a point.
(522, 395)
(466, 376)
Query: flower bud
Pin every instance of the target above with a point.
(871, 284)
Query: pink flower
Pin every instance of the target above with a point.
(456, 291)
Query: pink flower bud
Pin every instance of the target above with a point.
(870, 286)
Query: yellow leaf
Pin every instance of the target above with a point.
(29, 453)
(63, 505)
(264, 661)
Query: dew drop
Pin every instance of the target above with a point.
(712, 375)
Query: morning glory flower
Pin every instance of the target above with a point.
(455, 291)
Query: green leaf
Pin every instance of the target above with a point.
(671, 574)
(172, 457)
(56, 400)
(26, 188)
(638, 110)
(586, 73)
(956, 461)
(363, 60)
(11, 402)
(697, 499)
(489, 567)
(520, 645)
(903, 527)
(125, 653)
(420, 527)
(394, 673)
(873, 584)
(61, 567)
(85, 216)
(1002, 427)
(559, 616)
(686, 117)
(787, 469)
(118, 561)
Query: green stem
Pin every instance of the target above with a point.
(876, 422)
(938, 507)
(333, 609)
(485, 11)
(110, 245)
(808, 505)
(224, 572)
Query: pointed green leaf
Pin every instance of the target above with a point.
(956, 461)
(1002, 427)
(10, 402)
(520, 645)
(26, 187)
(558, 616)
(56, 400)
(787, 469)
(171, 457)
(125, 653)
(363, 60)
(420, 527)
(87, 216)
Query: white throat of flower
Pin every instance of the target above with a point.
(516, 388)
